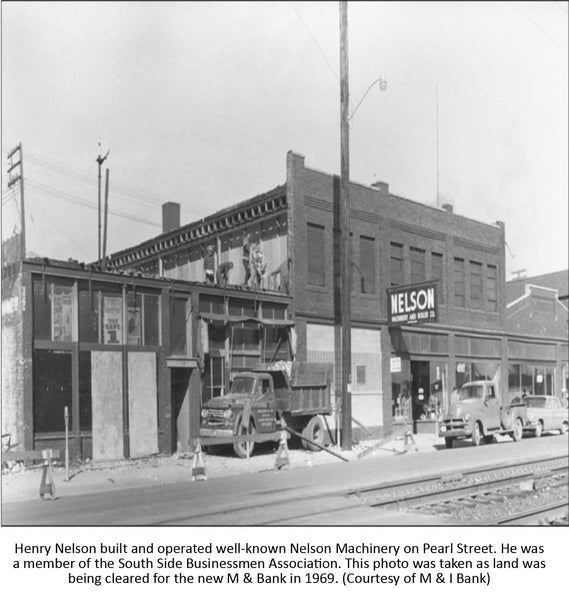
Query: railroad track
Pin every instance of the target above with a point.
(530, 492)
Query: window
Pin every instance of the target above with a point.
(417, 265)
(178, 326)
(492, 288)
(52, 382)
(475, 285)
(316, 275)
(367, 264)
(53, 311)
(459, 282)
(437, 274)
(396, 263)
(360, 374)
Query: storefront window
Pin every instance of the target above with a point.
(527, 380)
(514, 382)
(52, 390)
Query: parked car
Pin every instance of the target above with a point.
(543, 413)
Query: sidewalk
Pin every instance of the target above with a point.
(87, 477)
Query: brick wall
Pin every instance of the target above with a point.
(13, 362)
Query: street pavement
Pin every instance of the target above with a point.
(311, 490)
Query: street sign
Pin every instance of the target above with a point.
(395, 364)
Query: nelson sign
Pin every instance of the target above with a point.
(411, 304)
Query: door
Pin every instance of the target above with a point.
(180, 402)
(420, 389)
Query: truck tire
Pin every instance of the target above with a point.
(448, 442)
(538, 429)
(518, 431)
(240, 448)
(314, 430)
(476, 434)
(506, 418)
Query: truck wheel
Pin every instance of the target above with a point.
(314, 430)
(240, 448)
(538, 429)
(476, 435)
(518, 431)
(448, 442)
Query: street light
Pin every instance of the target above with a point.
(382, 87)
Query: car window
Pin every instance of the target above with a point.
(490, 391)
(266, 386)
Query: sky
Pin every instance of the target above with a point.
(199, 103)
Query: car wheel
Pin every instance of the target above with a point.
(240, 448)
(448, 442)
(564, 428)
(314, 430)
(476, 435)
(538, 429)
(518, 431)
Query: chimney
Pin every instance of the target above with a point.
(448, 208)
(381, 186)
(170, 216)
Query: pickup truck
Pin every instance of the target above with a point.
(479, 415)
(261, 400)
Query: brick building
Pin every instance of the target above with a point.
(169, 321)
(394, 241)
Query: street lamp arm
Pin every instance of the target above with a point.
(382, 86)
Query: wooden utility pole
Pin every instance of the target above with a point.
(12, 180)
(345, 250)
(105, 219)
(100, 160)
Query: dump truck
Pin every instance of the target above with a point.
(265, 400)
(478, 414)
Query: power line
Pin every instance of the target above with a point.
(315, 41)
(535, 24)
(76, 200)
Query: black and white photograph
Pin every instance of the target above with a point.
(286, 281)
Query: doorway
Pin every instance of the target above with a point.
(180, 399)
(420, 388)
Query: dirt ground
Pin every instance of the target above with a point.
(19, 483)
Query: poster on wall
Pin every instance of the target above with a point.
(112, 320)
(61, 317)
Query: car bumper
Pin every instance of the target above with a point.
(210, 432)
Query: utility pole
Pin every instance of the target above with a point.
(100, 160)
(345, 250)
(12, 180)
(105, 218)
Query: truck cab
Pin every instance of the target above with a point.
(477, 414)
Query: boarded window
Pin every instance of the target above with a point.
(492, 288)
(396, 263)
(437, 275)
(367, 264)
(418, 270)
(475, 285)
(459, 282)
(316, 274)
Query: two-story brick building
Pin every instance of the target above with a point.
(394, 241)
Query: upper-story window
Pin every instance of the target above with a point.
(475, 285)
(459, 282)
(492, 288)
(418, 271)
(367, 264)
(437, 275)
(396, 263)
(316, 270)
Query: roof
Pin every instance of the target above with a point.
(559, 280)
